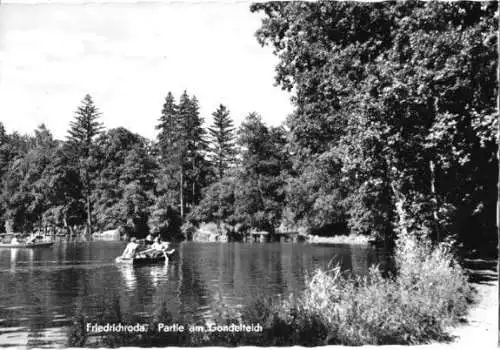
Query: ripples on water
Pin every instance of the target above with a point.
(42, 290)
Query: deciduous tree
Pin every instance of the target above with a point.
(399, 98)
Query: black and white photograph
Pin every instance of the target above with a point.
(236, 173)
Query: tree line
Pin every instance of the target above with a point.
(99, 179)
(393, 128)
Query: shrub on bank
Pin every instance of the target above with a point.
(428, 293)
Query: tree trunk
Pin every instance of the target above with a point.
(221, 167)
(434, 199)
(193, 185)
(181, 192)
(84, 164)
(219, 213)
(399, 204)
(89, 209)
(498, 185)
(70, 231)
(65, 223)
(9, 226)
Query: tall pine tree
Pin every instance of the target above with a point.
(196, 149)
(167, 148)
(172, 152)
(166, 128)
(83, 130)
(222, 141)
(180, 145)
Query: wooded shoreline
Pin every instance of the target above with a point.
(393, 138)
(390, 142)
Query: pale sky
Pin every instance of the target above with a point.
(128, 56)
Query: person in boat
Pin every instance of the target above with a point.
(130, 249)
(14, 240)
(165, 245)
(149, 239)
(157, 249)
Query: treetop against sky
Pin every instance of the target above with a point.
(128, 56)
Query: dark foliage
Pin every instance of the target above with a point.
(393, 130)
(395, 103)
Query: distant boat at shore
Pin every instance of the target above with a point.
(23, 240)
(110, 235)
(27, 245)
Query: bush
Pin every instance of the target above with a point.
(428, 293)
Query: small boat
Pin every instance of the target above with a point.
(27, 245)
(140, 260)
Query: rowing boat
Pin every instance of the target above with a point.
(27, 245)
(140, 260)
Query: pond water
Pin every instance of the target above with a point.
(43, 290)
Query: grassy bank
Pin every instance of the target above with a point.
(428, 293)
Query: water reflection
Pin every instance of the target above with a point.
(13, 258)
(359, 259)
(43, 290)
(128, 276)
(24, 256)
(159, 274)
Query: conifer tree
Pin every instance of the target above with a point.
(182, 146)
(83, 130)
(181, 127)
(167, 127)
(196, 148)
(166, 146)
(222, 140)
(172, 148)
(4, 149)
